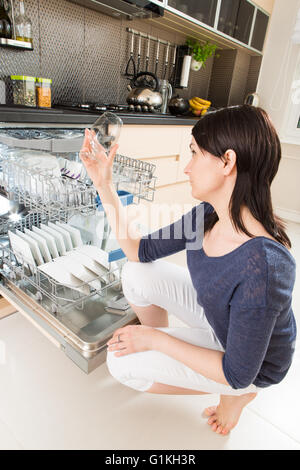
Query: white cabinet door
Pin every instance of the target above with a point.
(159, 145)
(184, 153)
(149, 141)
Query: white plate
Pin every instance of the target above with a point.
(65, 234)
(101, 257)
(42, 244)
(88, 262)
(59, 240)
(74, 232)
(49, 240)
(58, 270)
(35, 249)
(81, 272)
(21, 250)
(94, 252)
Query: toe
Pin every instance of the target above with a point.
(226, 430)
(219, 429)
(210, 410)
(215, 426)
(212, 419)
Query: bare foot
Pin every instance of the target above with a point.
(225, 416)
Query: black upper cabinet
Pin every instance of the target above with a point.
(244, 21)
(236, 17)
(260, 29)
(228, 16)
(201, 10)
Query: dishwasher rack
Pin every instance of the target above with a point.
(59, 197)
(80, 317)
(40, 287)
(51, 198)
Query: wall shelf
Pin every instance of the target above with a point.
(16, 44)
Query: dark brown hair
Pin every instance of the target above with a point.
(250, 133)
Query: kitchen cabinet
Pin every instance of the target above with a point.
(235, 19)
(158, 145)
(242, 20)
(201, 10)
(167, 147)
(6, 308)
(184, 154)
(260, 29)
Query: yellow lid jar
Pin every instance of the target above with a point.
(23, 88)
(43, 92)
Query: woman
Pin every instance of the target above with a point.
(237, 291)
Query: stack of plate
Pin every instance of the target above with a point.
(57, 250)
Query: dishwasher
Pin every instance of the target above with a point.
(79, 317)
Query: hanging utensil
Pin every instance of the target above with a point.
(166, 61)
(147, 53)
(172, 74)
(131, 61)
(139, 54)
(157, 57)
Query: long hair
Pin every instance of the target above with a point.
(250, 133)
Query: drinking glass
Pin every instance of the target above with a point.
(106, 132)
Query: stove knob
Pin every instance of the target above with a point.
(138, 108)
(151, 109)
(131, 107)
(145, 109)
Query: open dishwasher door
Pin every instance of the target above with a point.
(71, 290)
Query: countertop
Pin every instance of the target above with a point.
(61, 116)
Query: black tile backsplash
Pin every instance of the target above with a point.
(85, 53)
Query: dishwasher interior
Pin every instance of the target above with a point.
(60, 262)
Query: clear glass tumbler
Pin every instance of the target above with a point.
(106, 132)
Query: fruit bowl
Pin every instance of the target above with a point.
(199, 106)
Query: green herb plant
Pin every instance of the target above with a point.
(201, 52)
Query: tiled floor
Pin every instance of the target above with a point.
(46, 402)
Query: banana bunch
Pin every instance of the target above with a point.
(198, 106)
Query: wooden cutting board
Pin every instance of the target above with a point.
(5, 308)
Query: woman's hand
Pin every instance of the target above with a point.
(133, 338)
(98, 165)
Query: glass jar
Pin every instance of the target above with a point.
(43, 92)
(23, 88)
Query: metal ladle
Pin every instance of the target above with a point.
(131, 60)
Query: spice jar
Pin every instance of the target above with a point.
(23, 88)
(43, 91)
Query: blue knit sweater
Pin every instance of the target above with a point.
(246, 296)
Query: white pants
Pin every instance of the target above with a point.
(170, 287)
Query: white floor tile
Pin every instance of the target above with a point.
(47, 402)
(51, 404)
(279, 405)
(7, 439)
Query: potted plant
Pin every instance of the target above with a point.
(200, 53)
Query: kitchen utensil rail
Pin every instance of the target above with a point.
(43, 288)
(146, 36)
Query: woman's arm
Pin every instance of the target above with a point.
(119, 222)
(136, 338)
(100, 171)
(206, 362)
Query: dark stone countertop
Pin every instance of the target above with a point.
(9, 114)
